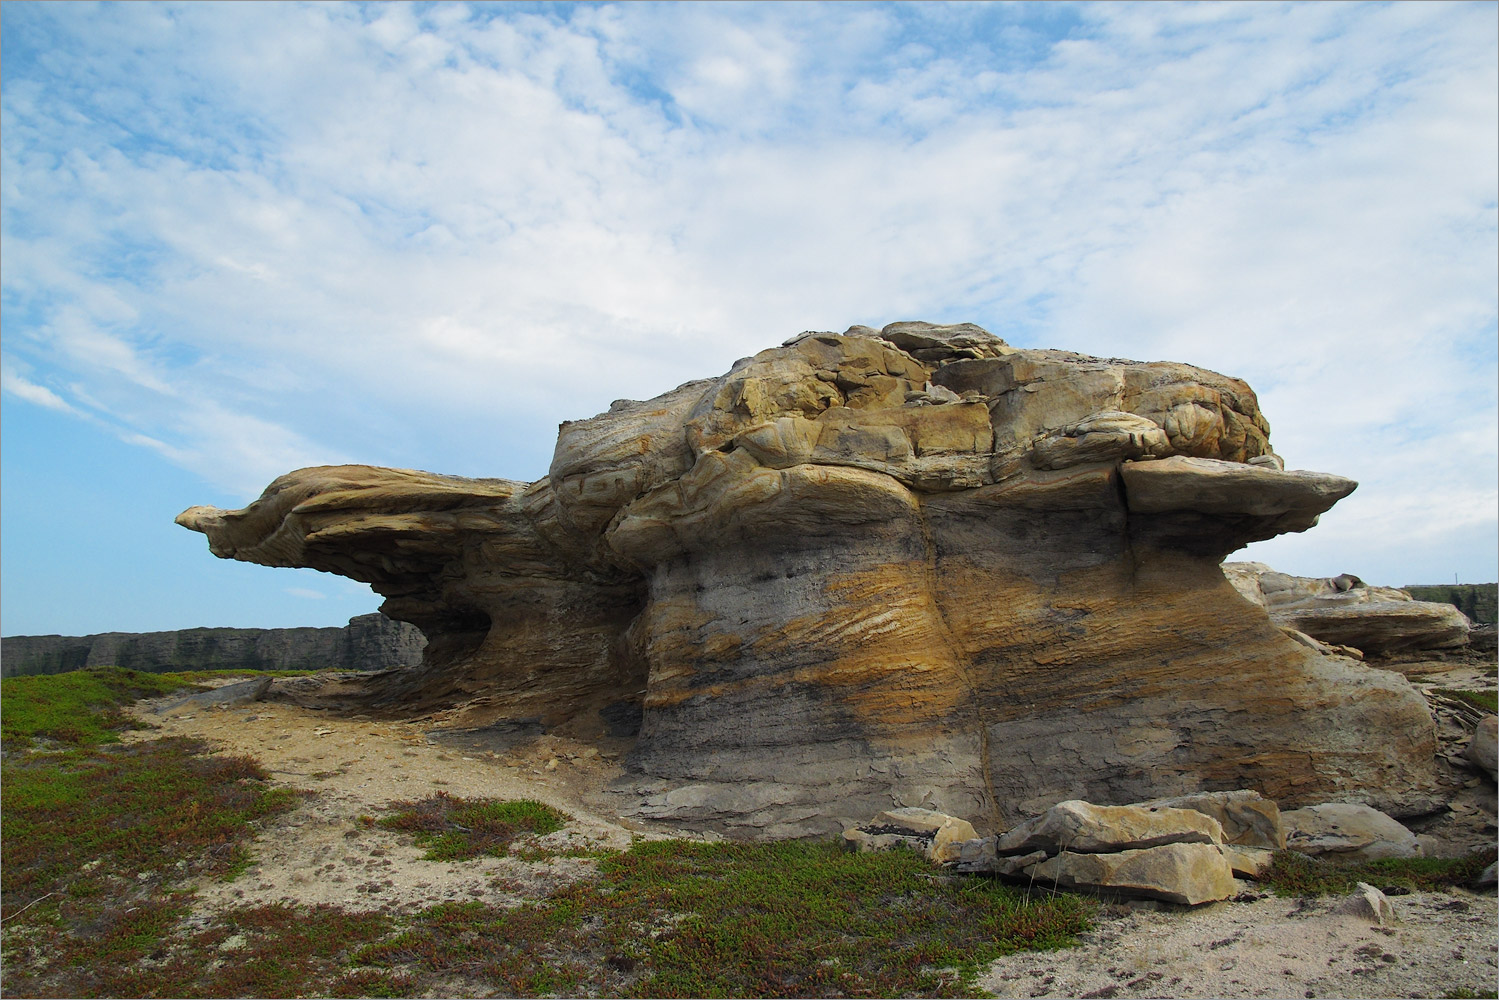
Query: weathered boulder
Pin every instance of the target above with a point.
(1085, 828)
(1248, 862)
(1482, 749)
(243, 693)
(937, 835)
(915, 565)
(1348, 831)
(1248, 818)
(1344, 611)
(1179, 873)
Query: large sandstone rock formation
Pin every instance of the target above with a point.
(368, 642)
(907, 567)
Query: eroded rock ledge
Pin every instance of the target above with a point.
(906, 567)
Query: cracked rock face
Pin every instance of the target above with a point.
(908, 567)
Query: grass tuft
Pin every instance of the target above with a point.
(452, 828)
(1486, 700)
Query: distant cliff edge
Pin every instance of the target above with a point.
(1479, 601)
(368, 642)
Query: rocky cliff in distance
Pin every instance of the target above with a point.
(1478, 601)
(904, 567)
(368, 642)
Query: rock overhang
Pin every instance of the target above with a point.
(891, 567)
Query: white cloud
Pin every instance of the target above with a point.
(263, 236)
(312, 595)
(33, 393)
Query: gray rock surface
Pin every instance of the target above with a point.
(227, 696)
(1370, 904)
(1348, 832)
(368, 642)
(1482, 750)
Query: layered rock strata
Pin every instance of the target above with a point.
(1345, 611)
(907, 567)
(368, 642)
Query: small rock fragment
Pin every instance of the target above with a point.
(1370, 904)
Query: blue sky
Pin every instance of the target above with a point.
(240, 239)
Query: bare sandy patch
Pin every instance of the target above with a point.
(352, 769)
(1444, 945)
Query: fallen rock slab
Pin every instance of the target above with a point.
(227, 696)
(1083, 827)
(978, 856)
(937, 835)
(1248, 862)
(1247, 817)
(1349, 832)
(1178, 873)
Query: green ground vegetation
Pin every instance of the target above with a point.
(81, 708)
(1479, 601)
(452, 828)
(1295, 874)
(103, 840)
(1486, 700)
(688, 919)
(99, 836)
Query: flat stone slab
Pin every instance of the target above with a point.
(242, 693)
(1078, 826)
(1178, 873)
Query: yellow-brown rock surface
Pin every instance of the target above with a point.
(909, 567)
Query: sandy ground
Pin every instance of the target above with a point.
(1444, 944)
(354, 767)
